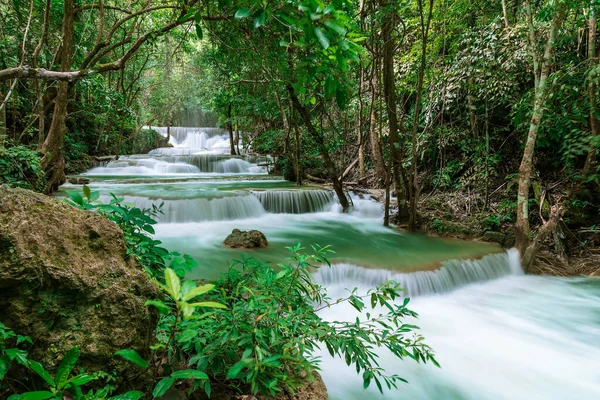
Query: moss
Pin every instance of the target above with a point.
(66, 281)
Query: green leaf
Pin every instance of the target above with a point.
(76, 197)
(321, 37)
(259, 18)
(131, 395)
(198, 291)
(189, 374)
(17, 354)
(80, 380)
(209, 304)
(132, 356)
(38, 369)
(87, 192)
(340, 98)
(330, 87)
(243, 13)
(199, 32)
(235, 370)
(42, 395)
(335, 27)
(66, 366)
(172, 283)
(162, 386)
(162, 307)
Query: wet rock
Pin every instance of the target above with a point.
(246, 239)
(78, 180)
(495, 237)
(65, 280)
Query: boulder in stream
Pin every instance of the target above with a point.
(246, 239)
(66, 280)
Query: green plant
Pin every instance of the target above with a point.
(65, 385)
(10, 352)
(437, 226)
(263, 342)
(491, 223)
(20, 167)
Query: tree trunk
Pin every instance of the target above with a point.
(230, 128)
(2, 118)
(53, 161)
(361, 146)
(380, 169)
(592, 29)
(320, 142)
(389, 90)
(236, 139)
(414, 184)
(522, 227)
(505, 14)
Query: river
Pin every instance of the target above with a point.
(498, 334)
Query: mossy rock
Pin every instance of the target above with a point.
(66, 280)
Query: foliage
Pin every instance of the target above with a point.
(20, 167)
(11, 350)
(263, 341)
(65, 384)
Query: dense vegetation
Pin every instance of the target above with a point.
(467, 112)
(254, 332)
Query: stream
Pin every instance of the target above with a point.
(497, 333)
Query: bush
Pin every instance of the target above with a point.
(20, 167)
(263, 341)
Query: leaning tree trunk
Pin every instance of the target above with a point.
(53, 161)
(522, 227)
(320, 142)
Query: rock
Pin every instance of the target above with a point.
(246, 239)
(78, 180)
(310, 390)
(495, 237)
(65, 280)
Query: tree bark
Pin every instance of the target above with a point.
(528, 254)
(320, 142)
(361, 146)
(414, 184)
(380, 169)
(230, 129)
(53, 161)
(389, 90)
(505, 14)
(522, 227)
(594, 123)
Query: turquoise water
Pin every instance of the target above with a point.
(497, 333)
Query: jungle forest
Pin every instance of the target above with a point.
(299, 199)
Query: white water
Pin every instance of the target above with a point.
(497, 333)
(517, 337)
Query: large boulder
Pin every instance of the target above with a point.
(65, 280)
(246, 239)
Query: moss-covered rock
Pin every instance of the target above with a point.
(65, 280)
(246, 239)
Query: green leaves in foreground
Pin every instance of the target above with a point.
(182, 294)
(132, 356)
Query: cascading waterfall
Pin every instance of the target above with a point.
(452, 274)
(294, 201)
(234, 205)
(200, 209)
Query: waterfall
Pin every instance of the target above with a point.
(294, 201)
(452, 274)
(143, 166)
(200, 209)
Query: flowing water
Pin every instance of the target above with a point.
(497, 333)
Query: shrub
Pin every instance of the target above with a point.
(20, 167)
